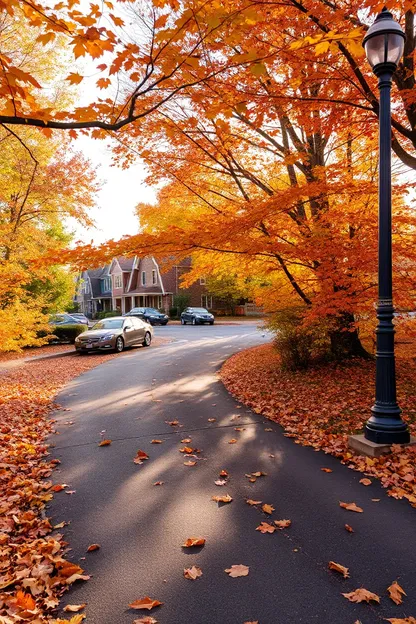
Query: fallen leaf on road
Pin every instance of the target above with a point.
(237, 570)
(409, 620)
(250, 501)
(192, 573)
(145, 603)
(105, 443)
(172, 423)
(239, 428)
(268, 429)
(348, 528)
(25, 601)
(283, 524)
(268, 509)
(158, 483)
(351, 507)
(189, 463)
(220, 482)
(194, 541)
(60, 525)
(339, 568)
(259, 473)
(146, 620)
(140, 457)
(70, 492)
(256, 622)
(156, 442)
(186, 440)
(59, 487)
(74, 608)
(212, 419)
(186, 449)
(326, 469)
(222, 499)
(265, 527)
(366, 481)
(376, 500)
(93, 547)
(396, 592)
(233, 441)
(223, 473)
(362, 595)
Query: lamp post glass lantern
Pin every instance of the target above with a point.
(384, 44)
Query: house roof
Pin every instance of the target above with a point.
(126, 264)
(95, 276)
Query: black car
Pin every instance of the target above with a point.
(196, 316)
(150, 315)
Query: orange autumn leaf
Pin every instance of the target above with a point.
(233, 441)
(93, 547)
(223, 473)
(283, 524)
(74, 608)
(362, 595)
(145, 603)
(186, 449)
(74, 78)
(326, 469)
(252, 502)
(396, 593)
(265, 527)
(25, 601)
(192, 573)
(408, 620)
(146, 620)
(186, 440)
(140, 457)
(268, 509)
(339, 568)
(366, 481)
(348, 528)
(158, 483)
(211, 420)
(156, 442)
(237, 570)
(192, 542)
(222, 499)
(259, 473)
(105, 443)
(351, 507)
(189, 463)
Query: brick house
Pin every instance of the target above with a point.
(138, 282)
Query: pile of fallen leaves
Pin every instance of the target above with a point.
(33, 571)
(321, 406)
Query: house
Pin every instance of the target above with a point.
(93, 292)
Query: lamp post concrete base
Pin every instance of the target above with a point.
(361, 445)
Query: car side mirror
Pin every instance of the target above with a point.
(125, 329)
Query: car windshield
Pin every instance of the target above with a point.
(109, 324)
(137, 310)
(200, 310)
(152, 311)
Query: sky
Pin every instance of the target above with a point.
(122, 190)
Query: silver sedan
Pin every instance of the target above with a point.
(115, 333)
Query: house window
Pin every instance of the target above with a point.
(206, 301)
(85, 288)
(159, 302)
(106, 284)
(118, 282)
(143, 278)
(154, 277)
(202, 281)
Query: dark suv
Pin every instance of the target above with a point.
(150, 315)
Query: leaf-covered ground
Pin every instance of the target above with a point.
(33, 570)
(321, 406)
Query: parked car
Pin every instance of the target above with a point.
(81, 318)
(151, 315)
(115, 333)
(64, 319)
(196, 316)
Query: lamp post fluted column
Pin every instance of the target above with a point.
(385, 425)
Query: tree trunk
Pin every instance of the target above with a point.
(345, 341)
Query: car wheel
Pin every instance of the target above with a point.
(119, 344)
(147, 339)
(211, 322)
(183, 322)
(164, 324)
(193, 321)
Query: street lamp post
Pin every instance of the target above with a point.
(384, 43)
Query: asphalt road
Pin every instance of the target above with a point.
(141, 527)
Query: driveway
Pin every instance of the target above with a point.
(140, 527)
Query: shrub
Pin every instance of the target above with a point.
(298, 344)
(103, 315)
(180, 302)
(68, 333)
(173, 313)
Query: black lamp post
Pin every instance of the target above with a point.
(384, 43)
